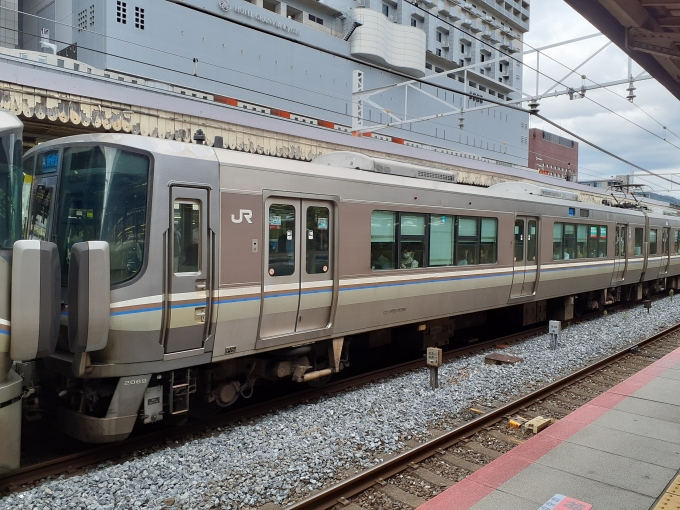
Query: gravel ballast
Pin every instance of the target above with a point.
(283, 456)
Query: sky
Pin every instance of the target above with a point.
(553, 21)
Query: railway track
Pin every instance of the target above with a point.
(419, 474)
(121, 451)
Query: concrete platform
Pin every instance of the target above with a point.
(618, 452)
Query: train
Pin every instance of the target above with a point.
(147, 280)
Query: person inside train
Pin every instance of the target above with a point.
(463, 260)
(378, 260)
(408, 260)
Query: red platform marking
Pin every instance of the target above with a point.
(480, 484)
(459, 497)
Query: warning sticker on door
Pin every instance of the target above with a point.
(562, 502)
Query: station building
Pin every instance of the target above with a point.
(298, 57)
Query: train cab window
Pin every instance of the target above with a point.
(519, 240)
(103, 197)
(639, 240)
(383, 239)
(412, 233)
(488, 252)
(441, 240)
(569, 241)
(281, 240)
(467, 241)
(318, 240)
(28, 179)
(558, 245)
(186, 234)
(676, 241)
(652, 241)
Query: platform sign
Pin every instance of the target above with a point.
(562, 502)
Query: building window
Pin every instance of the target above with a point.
(91, 16)
(482, 56)
(439, 52)
(414, 23)
(121, 12)
(82, 20)
(316, 19)
(500, 67)
(386, 9)
(139, 18)
(461, 62)
(462, 48)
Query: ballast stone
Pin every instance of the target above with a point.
(281, 457)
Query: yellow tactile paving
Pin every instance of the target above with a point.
(671, 498)
(668, 502)
(675, 486)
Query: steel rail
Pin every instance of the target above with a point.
(331, 496)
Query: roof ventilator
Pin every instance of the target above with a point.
(532, 189)
(356, 161)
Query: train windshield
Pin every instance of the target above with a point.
(103, 197)
(11, 183)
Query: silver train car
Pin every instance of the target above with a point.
(185, 273)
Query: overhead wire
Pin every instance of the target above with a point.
(410, 78)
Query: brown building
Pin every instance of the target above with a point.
(553, 155)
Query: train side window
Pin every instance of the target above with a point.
(569, 241)
(488, 253)
(187, 237)
(412, 234)
(592, 241)
(318, 240)
(519, 240)
(281, 240)
(383, 239)
(639, 236)
(652, 241)
(676, 239)
(467, 241)
(558, 243)
(582, 241)
(441, 240)
(602, 242)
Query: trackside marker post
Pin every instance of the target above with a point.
(434, 361)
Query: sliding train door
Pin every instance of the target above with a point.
(525, 269)
(299, 267)
(665, 251)
(620, 253)
(188, 298)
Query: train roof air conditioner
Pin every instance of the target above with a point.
(532, 189)
(357, 161)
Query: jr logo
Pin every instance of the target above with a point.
(243, 213)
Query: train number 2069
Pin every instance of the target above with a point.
(135, 381)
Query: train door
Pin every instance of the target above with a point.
(525, 257)
(188, 297)
(620, 253)
(298, 270)
(43, 196)
(665, 250)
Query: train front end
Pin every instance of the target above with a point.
(11, 183)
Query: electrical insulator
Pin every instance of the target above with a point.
(631, 92)
(533, 105)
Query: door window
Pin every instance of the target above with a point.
(652, 241)
(318, 240)
(519, 240)
(639, 235)
(664, 241)
(281, 240)
(622, 242)
(187, 237)
(532, 236)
